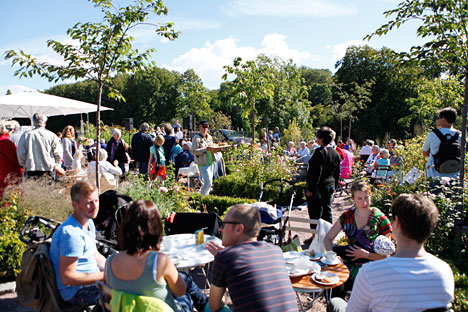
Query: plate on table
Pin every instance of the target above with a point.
(324, 260)
(295, 272)
(317, 255)
(291, 256)
(325, 278)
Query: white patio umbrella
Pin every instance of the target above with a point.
(26, 104)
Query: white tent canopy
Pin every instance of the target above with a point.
(26, 104)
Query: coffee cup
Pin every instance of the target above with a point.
(330, 256)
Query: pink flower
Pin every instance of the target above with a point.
(237, 170)
(176, 188)
(163, 189)
(445, 180)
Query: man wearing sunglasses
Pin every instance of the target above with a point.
(253, 271)
(203, 149)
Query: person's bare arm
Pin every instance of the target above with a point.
(358, 253)
(69, 275)
(216, 297)
(328, 239)
(100, 260)
(174, 280)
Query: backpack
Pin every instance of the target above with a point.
(36, 285)
(447, 159)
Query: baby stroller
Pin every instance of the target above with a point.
(271, 212)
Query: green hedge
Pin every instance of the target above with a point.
(213, 203)
(233, 186)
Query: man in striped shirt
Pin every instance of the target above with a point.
(412, 279)
(253, 271)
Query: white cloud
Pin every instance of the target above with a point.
(15, 88)
(339, 50)
(208, 61)
(281, 8)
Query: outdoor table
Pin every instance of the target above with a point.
(305, 284)
(185, 254)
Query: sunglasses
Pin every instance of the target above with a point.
(229, 222)
(205, 126)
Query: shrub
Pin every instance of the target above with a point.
(167, 196)
(213, 203)
(12, 218)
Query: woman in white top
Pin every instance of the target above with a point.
(107, 170)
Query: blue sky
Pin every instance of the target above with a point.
(314, 33)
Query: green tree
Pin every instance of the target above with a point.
(393, 84)
(350, 102)
(104, 49)
(444, 24)
(193, 98)
(432, 95)
(253, 83)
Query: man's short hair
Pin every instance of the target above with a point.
(417, 214)
(326, 134)
(249, 216)
(102, 154)
(376, 147)
(168, 128)
(449, 113)
(39, 120)
(80, 189)
(370, 142)
(144, 127)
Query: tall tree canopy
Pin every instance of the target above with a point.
(99, 50)
(444, 24)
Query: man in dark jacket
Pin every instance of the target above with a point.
(141, 143)
(322, 177)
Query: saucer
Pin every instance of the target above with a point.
(324, 260)
(335, 278)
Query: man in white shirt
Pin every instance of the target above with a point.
(445, 119)
(412, 279)
(366, 150)
(372, 159)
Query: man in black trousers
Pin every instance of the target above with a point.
(322, 176)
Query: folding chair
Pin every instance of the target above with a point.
(190, 172)
(381, 173)
(105, 298)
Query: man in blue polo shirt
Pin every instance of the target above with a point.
(77, 263)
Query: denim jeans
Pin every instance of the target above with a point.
(206, 173)
(193, 296)
(319, 204)
(86, 296)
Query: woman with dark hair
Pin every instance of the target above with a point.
(142, 270)
(323, 176)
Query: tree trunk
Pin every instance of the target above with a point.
(463, 139)
(341, 129)
(98, 136)
(254, 119)
(349, 130)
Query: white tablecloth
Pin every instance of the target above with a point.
(185, 253)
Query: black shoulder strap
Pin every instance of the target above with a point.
(443, 138)
(439, 134)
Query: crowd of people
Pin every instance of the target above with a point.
(383, 276)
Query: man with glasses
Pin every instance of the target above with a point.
(445, 119)
(203, 149)
(253, 271)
